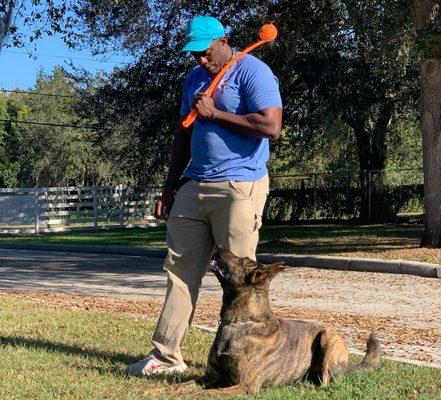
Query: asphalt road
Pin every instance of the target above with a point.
(85, 273)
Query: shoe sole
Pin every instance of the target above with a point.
(160, 371)
(168, 370)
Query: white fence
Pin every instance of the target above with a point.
(56, 209)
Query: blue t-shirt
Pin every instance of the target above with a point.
(219, 153)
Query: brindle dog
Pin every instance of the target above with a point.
(254, 349)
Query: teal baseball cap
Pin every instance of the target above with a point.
(201, 31)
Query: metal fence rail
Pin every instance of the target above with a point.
(58, 209)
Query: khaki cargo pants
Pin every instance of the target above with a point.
(204, 214)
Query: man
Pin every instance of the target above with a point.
(224, 157)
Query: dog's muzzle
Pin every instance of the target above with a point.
(219, 270)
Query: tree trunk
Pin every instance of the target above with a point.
(430, 108)
(426, 13)
(372, 145)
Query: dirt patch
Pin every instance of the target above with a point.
(368, 246)
(408, 254)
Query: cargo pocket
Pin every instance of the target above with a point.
(170, 260)
(243, 189)
(262, 191)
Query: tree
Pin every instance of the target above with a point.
(8, 169)
(24, 21)
(352, 61)
(6, 11)
(426, 16)
(47, 155)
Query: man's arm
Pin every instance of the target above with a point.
(180, 157)
(180, 154)
(266, 123)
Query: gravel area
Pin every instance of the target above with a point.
(403, 309)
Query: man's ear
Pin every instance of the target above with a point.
(263, 272)
(223, 41)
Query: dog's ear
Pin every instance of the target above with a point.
(249, 264)
(263, 272)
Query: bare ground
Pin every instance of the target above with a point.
(369, 246)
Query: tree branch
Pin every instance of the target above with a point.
(424, 12)
(6, 8)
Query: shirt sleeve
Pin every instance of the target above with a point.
(261, 88)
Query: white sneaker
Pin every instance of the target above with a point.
(152, 366)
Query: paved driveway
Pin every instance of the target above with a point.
(86, 273)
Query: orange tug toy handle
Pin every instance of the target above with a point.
(268, 33)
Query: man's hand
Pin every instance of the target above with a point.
(164, 204)
(204, 105)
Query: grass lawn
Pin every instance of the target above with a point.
(379, 241)
(55, 353)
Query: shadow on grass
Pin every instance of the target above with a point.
(111, 358)
(271, 232)
(19, 341)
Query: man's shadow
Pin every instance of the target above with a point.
(110, 357)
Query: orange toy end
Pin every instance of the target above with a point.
(268, 32)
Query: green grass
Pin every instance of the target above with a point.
(380, 241)
(52, 353)
(339, 239)
(136, 237)
(155, 236)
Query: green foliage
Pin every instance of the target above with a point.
(429, 40)
(32, 154)
(405, 150)
(356, 66)
(8, 168)
(50, 156)
(331, 147)
(136, 116)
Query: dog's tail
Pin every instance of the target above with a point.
(373, 356)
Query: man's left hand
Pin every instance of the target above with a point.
(204, 105)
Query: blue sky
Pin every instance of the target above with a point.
(19, 70)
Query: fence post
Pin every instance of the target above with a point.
(369, 195)
(145, 199)
(36, 210)
(315, 197)
(122, 199)
(95, 207)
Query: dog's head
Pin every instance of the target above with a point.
(241, 272)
